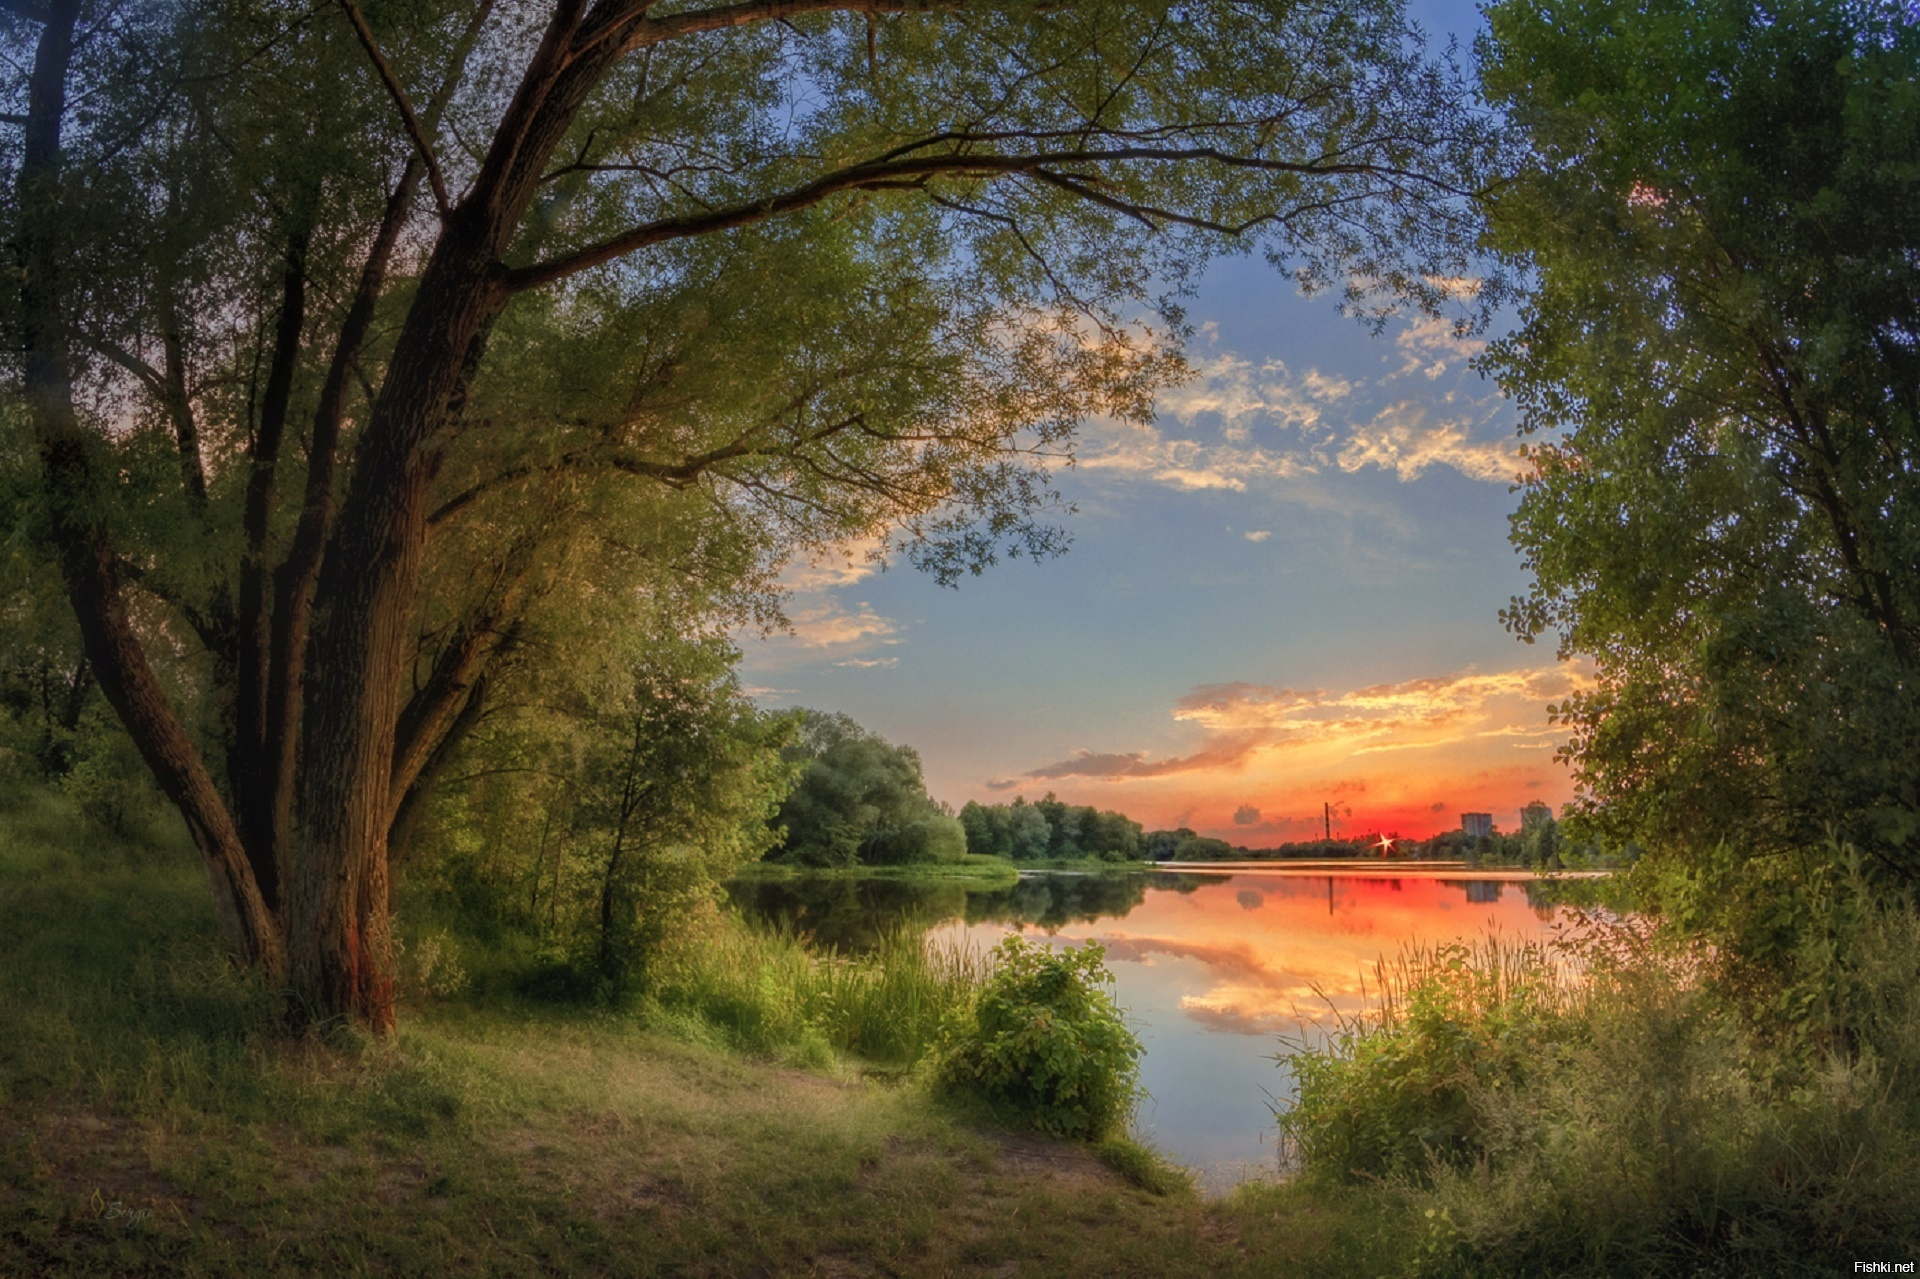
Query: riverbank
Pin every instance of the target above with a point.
(1375, 868)
(149, 1124)
(974, 868)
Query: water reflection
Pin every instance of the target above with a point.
(851, 915)
(1214, 970)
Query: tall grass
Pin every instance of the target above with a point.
(764, 991)
(1605, 1108)
(1395, 1088)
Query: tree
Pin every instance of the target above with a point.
(319, 311)
(1049, 828)
(1720, 364)
(678, 796)
(860, 800)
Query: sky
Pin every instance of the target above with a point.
(1282, 595)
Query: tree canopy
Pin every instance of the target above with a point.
(860, 800)
(1719, 362)
(1050, 828)
(356, 340)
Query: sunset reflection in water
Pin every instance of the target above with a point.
(1215, 971)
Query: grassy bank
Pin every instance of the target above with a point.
(1617, 1107)
(151, 1122)
(987, 872)
(995, 872)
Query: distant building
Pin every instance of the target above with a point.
(1476, 825)
(1533, 814)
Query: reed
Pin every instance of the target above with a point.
(1603, 1107)
(765, 991)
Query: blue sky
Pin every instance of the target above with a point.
(1283, 594)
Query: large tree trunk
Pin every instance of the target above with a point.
(341, 961)
(75, 506)
(340, 937)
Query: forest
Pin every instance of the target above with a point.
(408, 404)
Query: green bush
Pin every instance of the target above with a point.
(765, 992)
(1046, 1041)
(1395, 1090)
(1651, 1109)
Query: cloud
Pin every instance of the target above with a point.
(1399, 439)
(818, 620)
(1243, 720)
(1134, 764)
(1241, 394)
(758, 691)
(833, 567)
(1237, 424)
(1406, 746)
(1323, 386)
(1246, 815)
(1430, 346)
(1131, 450)
(1259, 535)
(869, 663)
(829, 624)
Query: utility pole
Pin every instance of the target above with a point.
(1326, 815)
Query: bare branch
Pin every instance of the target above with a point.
(392, 82)
(914, 172)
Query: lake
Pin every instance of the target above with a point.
(1214, 968)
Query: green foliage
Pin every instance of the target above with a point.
(1144, 1166)
(595, 828)
(1639, 1113)
(861, 800)
(1184, 845)
(676, 796)
(1050, 829)
(1796, 948)
(764, 992)
(1719, 362)
(1396, 1090)
(1046, 1041)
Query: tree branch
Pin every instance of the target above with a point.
(392, 82)
(914, 172)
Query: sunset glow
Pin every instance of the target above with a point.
(1280, 612)
(1217, 974)
(1262, 953)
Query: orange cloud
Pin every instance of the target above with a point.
(1403, 756)
(1399, 439)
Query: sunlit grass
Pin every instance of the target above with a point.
(1598, 1108)
(765, 991)
(153, 1121)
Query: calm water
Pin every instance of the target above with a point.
(1214, 970)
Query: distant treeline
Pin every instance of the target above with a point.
(859, 800)
(1050, 830)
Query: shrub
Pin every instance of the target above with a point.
(1395, 1089)
(1640, 1113)
(1046, 1041)
(766, 992)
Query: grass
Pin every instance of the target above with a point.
(765, 992)
(1610, 1111)
(152, 1123)
(988, 872)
